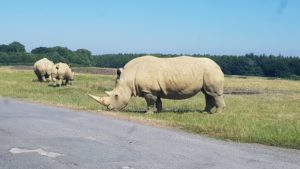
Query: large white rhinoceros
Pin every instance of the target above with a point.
(171, 78)
(42, 69)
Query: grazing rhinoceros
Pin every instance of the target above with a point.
(171, 78)
(42, 68)
(61, 72)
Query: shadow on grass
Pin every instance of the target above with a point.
(57, 86)
(180, 111)
(36, 81)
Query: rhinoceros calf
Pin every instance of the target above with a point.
(42, 68)
(171, 78)
(61, 74)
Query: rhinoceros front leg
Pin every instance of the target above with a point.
(158, 105)
(48, 78)
(54, 81)
(66, 81)
(60, 82)
(209, 102)
(43, 79)
(151, 103)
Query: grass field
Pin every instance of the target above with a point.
(270, 115)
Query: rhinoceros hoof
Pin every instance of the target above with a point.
(215, 112)
(150, 112)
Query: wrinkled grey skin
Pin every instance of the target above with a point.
(42, 69)
(61, 74)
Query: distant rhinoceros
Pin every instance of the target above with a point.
(61, 74)
(171, 78)
(42, 68)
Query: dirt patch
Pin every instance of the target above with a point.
(92, 70)
(241, 91)
(95, 70)
(22, 67)
(237, 76)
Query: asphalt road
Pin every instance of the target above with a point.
(34, 136)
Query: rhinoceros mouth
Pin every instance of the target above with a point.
(110, 107)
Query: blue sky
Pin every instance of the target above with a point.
(155, 26)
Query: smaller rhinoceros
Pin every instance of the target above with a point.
(61, 74)
(170, 78)
(42, 68)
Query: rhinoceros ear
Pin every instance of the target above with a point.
(119, 72)
(57, 66)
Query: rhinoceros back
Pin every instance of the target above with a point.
(43, 66)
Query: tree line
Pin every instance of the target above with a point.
(248, 65)
(15, 53)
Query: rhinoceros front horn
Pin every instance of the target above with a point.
(98, 99)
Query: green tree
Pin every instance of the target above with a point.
(83, 56)
(4, 48)
(16, 47)
(41, 50)
(4, 58)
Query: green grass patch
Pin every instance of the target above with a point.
(271, 117)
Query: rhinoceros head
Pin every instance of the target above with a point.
(118, 98)
(113, 101)
(72, 74)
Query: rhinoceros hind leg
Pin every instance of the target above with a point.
(151, 106)
(38, 75)
(220, 103)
